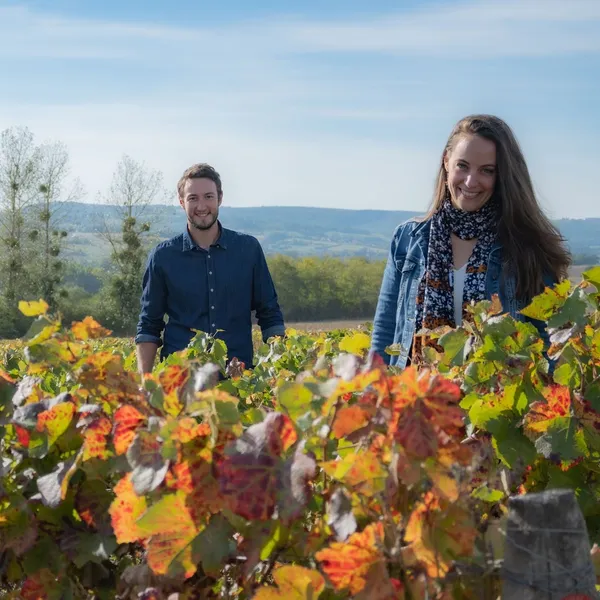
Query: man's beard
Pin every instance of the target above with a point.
(204, 227)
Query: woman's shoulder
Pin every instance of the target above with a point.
(406, 228)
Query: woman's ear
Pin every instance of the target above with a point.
(446, 162)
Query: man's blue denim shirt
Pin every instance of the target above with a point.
(208, 290)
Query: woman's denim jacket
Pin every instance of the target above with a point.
(396, 313)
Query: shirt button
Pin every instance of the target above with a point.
(212, 290)
(210, 272)
(212, 307)
(209, 256)
(213, 325)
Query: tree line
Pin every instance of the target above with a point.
(35, 181)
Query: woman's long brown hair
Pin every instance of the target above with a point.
(532, 246)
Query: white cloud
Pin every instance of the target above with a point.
(239, 96)
(470, 29)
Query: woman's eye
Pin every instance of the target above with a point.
(461, 165)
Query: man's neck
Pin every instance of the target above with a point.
(205, 238)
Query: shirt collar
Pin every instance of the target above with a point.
(221, 242)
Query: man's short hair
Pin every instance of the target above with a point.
(200, 171)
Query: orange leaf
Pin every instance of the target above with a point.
(171, 529)
(173, 378)
(361, 472)
(348, 419)
(95, 439)
(347, 564)
(89, 328)
(541, 414)
(55, 421)
(187, 429)
(287, 433)
(127, 419)
(293, 583)
(439, 531)
(125, 510)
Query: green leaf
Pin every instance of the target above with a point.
(454, 343)
(562, 439)
(295, 398)
(544, 305)
(214, 544)
(572, 311)
(227, 413)
(593, 276)
(93, 547)
(393, 350)
(510, 444)
(568, 374)
(484, 493)
(272, 541)
(479, 372)
(500, 327)
(489, 407)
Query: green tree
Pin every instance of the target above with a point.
(19, 168)
(50, 239)
(133, 188)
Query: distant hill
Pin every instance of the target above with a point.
(296, 231)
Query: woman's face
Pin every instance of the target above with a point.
(471, 169)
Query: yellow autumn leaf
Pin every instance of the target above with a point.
(357, 343)
(33, 308)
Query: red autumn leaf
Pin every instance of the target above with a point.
(425, 411)
(95, 439)
(125, 510)
(347, 564)
(42, 585)
(92, 503)
(55, 421)
(250, 472)
(22, 436)
(541, 414)
(89, 328)
(194, 475)
(348, 419)
(127, 419)
(293, 583)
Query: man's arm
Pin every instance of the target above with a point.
(146, 353)
(151, 322)
(264, 298)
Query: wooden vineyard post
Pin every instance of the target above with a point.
(547, 549)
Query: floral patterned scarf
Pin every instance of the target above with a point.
(435, 298)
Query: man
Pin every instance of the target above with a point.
(207, 278)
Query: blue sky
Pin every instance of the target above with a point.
(321, 103)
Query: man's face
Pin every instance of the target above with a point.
(201, 203)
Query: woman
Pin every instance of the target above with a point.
(484, 234)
